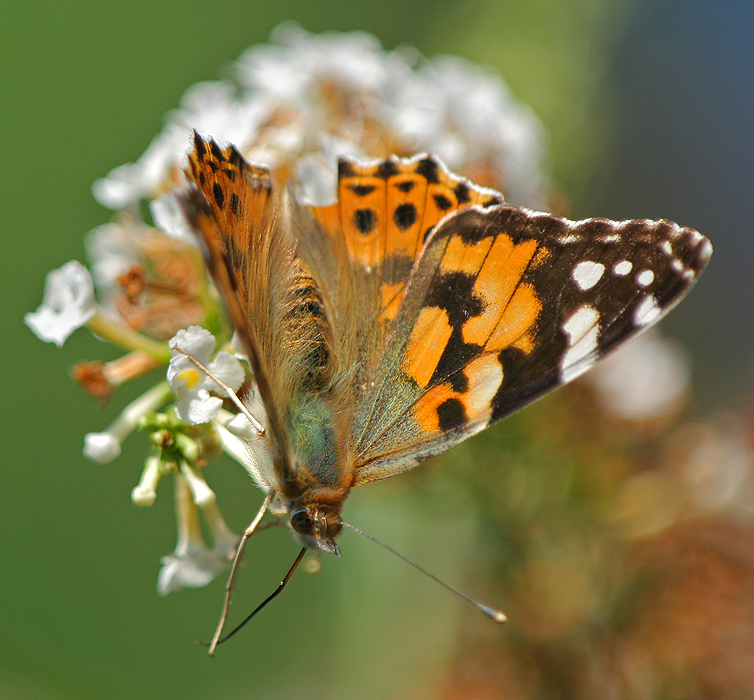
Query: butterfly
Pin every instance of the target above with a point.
(412, 313)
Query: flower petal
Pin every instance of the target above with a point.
(101, 447)
(198, 407)
(227, 369)
(68, 303)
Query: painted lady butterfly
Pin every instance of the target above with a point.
(411, 314)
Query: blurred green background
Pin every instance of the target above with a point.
(648, 107)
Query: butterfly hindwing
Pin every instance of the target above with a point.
(385, 211)
(505, 304)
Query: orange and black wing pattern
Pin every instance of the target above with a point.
(386, 210)
(232, 207)
(503, 305)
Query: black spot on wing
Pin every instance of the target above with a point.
(362, 190)
(458, 380)
(365, 220)
(442, 202)
(452, 291)
(404, 216)
(456, 355)
(216, 152)
(236, 158)
(217, 192)
(346, 169)
(406, 186)
(235, 205)
(201, 150)
(451, 414)
(387, 169)
(462, 192)
(429, 170)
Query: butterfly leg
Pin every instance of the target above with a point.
(231, 393)
(253, 527)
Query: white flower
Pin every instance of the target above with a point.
(145, 492)
(317, 173)
(68, 303)
(113, 249)
(463, 113)
(169, 217)
(201, 493)
(192, 564)
(292, 67)
(240, 426)
(210, 107)
(193, 386)
(104, 446)
(307, 98)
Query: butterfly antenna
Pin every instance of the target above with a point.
(274, 594)
(491, 613)
(253, 527)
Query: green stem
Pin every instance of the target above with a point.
(127, 338)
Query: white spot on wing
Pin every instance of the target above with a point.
(486, 376)
(587, 273)
(610, 238)
(647, 311)
(568, 238)
(622, 268)
(582, 332)
(705, 250)
(645, 278)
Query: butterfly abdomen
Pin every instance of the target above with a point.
(308, 333)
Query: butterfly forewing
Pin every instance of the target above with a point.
(505, 304)
(232, 208)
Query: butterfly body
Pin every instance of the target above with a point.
(411, 314)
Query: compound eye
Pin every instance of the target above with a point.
(301, 522)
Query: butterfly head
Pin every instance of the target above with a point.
(316, 527)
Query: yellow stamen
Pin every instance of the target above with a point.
(190, 376)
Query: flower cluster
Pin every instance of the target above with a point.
(296, 104)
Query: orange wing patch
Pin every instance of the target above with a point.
(429, 338)
(363, 211)
(239, 195)
(386, 210)
(477, 305)
(498, 284)
(444, 407)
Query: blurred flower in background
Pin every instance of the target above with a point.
(617, 530)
